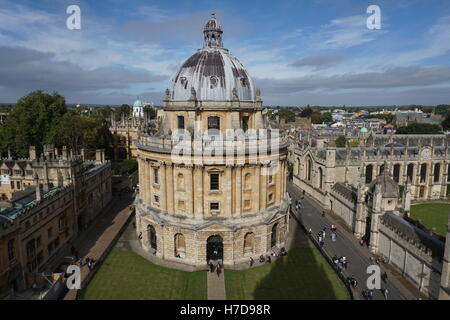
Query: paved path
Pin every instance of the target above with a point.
(347, 245)
(216, 286)
(100, 237)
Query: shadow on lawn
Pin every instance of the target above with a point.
(298, 276)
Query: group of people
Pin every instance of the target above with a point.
(321, 236)
(340, 263)
(368, 294)
(217, 268)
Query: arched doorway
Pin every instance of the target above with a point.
(152, 236)
(214, 248)
(273, 238)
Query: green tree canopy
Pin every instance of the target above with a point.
(419, 128)
(306, 113)
(32, 121)
(40, 118)
(340, 142)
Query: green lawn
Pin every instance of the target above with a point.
(125, 275)
(302, 274)
(432, 215)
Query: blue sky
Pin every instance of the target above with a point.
(298, 52)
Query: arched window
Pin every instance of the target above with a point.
(410, 172)
(369, 171)
(423, 172)
(308, 169)
(298, 166)
(151, 233)
(274, 236)
(180, 182)
(381, 169)
(179, 245)
(249, 240)
(320, 178)
(396, 172)
(437, 172)
(248, 181)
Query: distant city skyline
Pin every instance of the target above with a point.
(298, 52)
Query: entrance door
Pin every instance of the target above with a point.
(422, 192)
(214, 248)
(273, 238)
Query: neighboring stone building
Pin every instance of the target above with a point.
(371, 189)
(423, 159)
(406, 118)
(55, 196)
(201, 206)
(125, 131)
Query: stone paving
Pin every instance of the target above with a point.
(216, 286)
(97, 241)
(347, 245)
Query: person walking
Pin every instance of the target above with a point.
(251, 262)
(385, 293)
(218, 271)
(211, 267)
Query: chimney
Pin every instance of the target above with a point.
(64, 153)
(38, 187)
(33, 155)
(99, 156)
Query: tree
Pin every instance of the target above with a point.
(316, 116)
(419, 128)
(306, 113)
(340, 142)
(128, 166)
(40, 118)
(32, 121)
(446, 123)
(325, 117)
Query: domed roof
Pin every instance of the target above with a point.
(213, 72)
(363, 130)
(137, 104)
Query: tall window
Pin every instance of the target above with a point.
(214, 181)
(180, 122)
(213, 123)
(369, 170)
(245, 123)
(423, 172)
(155, 176)
(320, 172)
(397, 172)
(437, 172)
(448, 172)
(410, 172)
(308, 169)
(11, 249)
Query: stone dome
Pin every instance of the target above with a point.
(213, 72)
(138, 104)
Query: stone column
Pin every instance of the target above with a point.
(258, 187)
(278, 184)
(263, 185)
(238, 190)
(190, 190)
(170, 188)
(162, 186)
(198, 196)
(228, 191)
